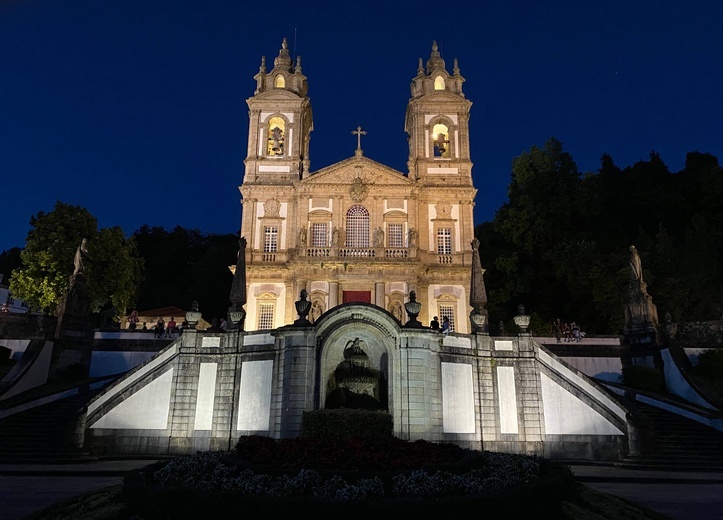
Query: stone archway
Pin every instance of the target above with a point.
(356, 358)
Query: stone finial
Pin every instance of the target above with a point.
(283, 60)
(238, 286)
(522, 320)
(435, 61)
(303, 306)
(193, 316)
(413, 307)
(477, 292)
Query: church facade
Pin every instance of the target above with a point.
(357, 231)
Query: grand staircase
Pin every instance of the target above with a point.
(47, 433)
(676, 443)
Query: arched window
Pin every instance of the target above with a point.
(357, 227)
(276, 136)
(440, 133)
(279, 81)
(439, 83)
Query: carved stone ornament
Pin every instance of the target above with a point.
(271, 208)
(358, 190)
(443, 209)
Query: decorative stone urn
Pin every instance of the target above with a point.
(303, 306)
(236, 317)
(193, 316)
(479, 321)
(522, 320)
(413, 307)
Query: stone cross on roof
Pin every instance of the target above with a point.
(359, 132)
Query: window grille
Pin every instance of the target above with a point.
(448, 311)
(444, 241)
(395, 237)
(266, 316)
(357, 227)
(271, 239)
(320, 235)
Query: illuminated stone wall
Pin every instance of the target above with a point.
(206, 390)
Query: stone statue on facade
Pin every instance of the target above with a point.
(412, 237)
(302, 236)
(335, 237)
(378, 237)
(80, 255)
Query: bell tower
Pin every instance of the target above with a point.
(437, 123)
(280, 123)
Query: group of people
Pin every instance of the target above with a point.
(568, 332)
(164, 330)
(444, 328)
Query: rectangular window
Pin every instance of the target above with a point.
(319, 235)
(447, 311)
(395, 237)
(444, 241)
(271, 239)
(266, 316)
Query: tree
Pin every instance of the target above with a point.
(184, 265)
(48, 255)
(113, 269)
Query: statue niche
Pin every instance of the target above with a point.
(354, 384)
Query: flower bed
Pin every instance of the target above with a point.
(356, 478)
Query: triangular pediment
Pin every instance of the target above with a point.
(348, 170)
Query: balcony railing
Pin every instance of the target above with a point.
(356, 252)
(390, 254)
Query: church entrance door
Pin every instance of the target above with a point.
(357, 297)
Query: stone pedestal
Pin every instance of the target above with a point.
(73, 310)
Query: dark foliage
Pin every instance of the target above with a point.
(345, 423)
(643, 378)
(365, 454)
(560, 244)
(185, 265)
(710, 363)
(9, 261)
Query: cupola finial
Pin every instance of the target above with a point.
(283, 60)
(435, 61)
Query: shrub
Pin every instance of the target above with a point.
(347, 423)
(710, 363)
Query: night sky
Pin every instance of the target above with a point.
(135, 109)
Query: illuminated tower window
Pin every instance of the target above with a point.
(439, 83)
(276, 136)
(279, 81)
(441, 140)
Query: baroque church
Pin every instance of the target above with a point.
(362, 253)
(357, 231)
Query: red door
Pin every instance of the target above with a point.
(357, 297)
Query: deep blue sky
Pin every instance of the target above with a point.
(135, 109)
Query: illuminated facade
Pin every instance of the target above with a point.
(357, 231)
